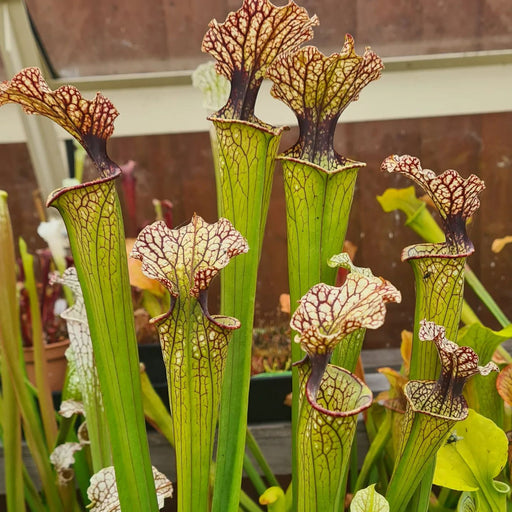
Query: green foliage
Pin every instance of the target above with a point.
(207, 357)
(474, 455)
(369, 500)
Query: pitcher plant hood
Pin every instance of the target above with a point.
(318, 88)
(455, 198)
(247, 43)
(327, 314)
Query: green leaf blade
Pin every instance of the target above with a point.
(369, 500)
(475, 455)
(93, 219)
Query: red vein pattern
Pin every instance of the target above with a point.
(247, 43)
(91, 122)
(326, 314)
(455, 198)
(444, 396)
(318, 88)
(459, 363)
(326, 431)
(188, 258)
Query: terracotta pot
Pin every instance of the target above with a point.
(55, 360)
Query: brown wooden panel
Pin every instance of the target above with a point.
(18, 180)
(85, 37)
(180, 168)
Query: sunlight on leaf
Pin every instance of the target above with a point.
(274, 499)
(400, 199)
(499, 243)
(406, 349)
(137, 277)
(369, 500)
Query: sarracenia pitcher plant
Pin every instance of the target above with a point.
(439, 278)
(244, 46)
(93, 220)
(207, 356)
(194, 342)
(439, 267)
(330, 396)
(319, 182)
(433, 408)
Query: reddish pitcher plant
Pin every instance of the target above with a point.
(433, 408)
(194, 342)
(244, 46)
(332, 397)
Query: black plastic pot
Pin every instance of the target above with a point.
(267, 391)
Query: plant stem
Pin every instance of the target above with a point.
(11, 440)
(40, 363)
(253, 475)
(247, 504)
(99, 252)
(485, 297)
(256, 452)
(376, 447)
(32, 497)
(246, 155)
(423, 492)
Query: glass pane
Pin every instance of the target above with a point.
(93, 37)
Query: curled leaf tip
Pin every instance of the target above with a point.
(326, 314)
(91, 122)
(75, 313)
(102, 491)
(455, 198)
(185, 260)
(247, 43)
(331, 390)
(458, 364)
(318, 88)
(70, 407)
(62, 458)
(343, 260)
